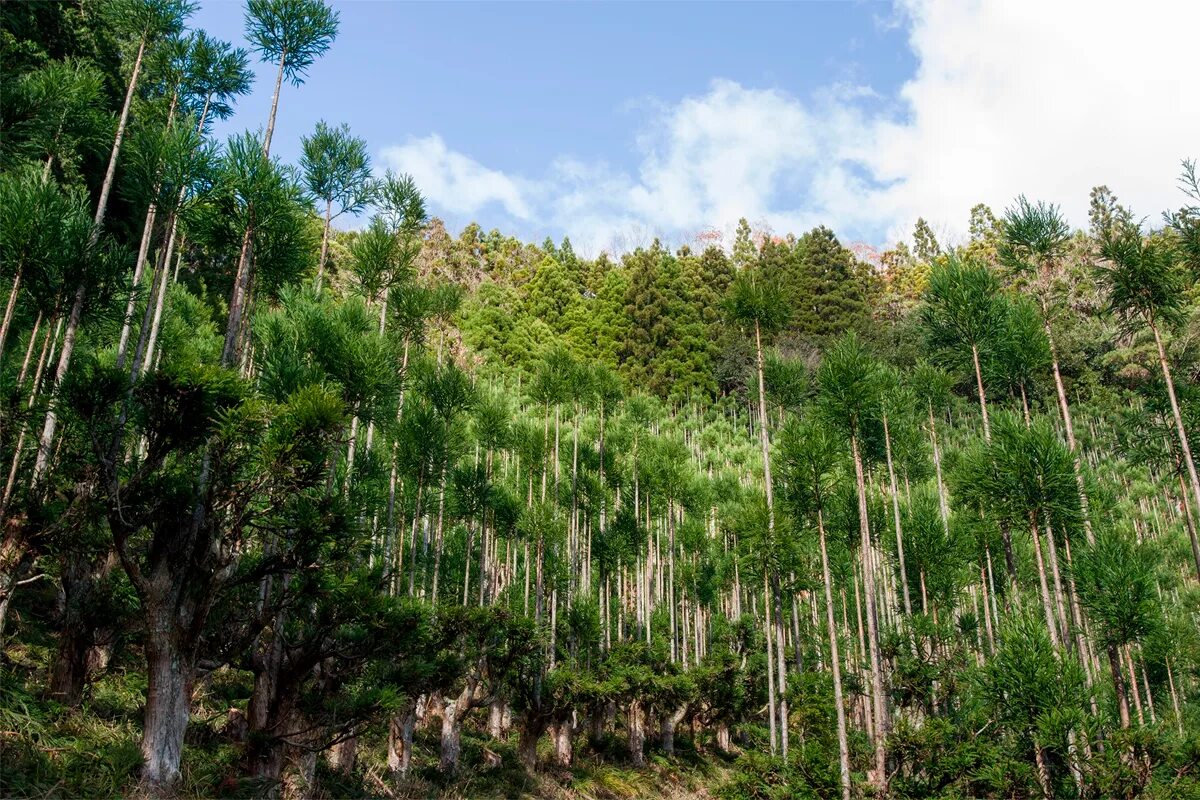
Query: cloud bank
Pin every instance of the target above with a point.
(1009, 97)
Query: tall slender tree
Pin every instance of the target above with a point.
(292, 33)
(147, 21)
(1146, 285)
(848, 401)
(756, 305)
(963, 316)
(1034, 243)
(811, 457)
(337, 170)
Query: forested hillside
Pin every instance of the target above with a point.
(307, 496)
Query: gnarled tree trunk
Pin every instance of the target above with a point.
(670, 722)
(170, 671)
(637, 733)
(400, 741)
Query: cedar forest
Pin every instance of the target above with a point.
(297, 511)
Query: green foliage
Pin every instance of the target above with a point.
(337, 168)
(294, 33)
(520, 489)
(1116, 580)
(1143, 277)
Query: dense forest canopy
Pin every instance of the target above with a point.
(295, 510)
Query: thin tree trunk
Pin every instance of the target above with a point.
(1069, 427)
(50, 425)
(1114, 664)
(160, 296)
(9, 310)
(943, 506)
(239, 302)
(835, 661)
(880, 703)
(887, 440)
(1180, 430)
(987, 426)
(324, 243)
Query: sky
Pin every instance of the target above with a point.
(615, 122)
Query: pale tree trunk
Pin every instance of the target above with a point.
(451, 747)
(138, 266)
(160, 297)
(144, 247)
(1188, 518)
(560, 734)
(9, 310)
(637, 733)
(1043, 770)
(879, 777)
(324, 243)
(453, 712)
(1069, 426)
(836, 663)
(670, 722)
(46, 441)
(238, 302)
(344, 755)
(724, 738)
(1047, 602)
(983, 407)
(943, 506)
(887, 440)
(51, 336)
(768, 633)
(400, 741)
(779, 664)
(1180, 430)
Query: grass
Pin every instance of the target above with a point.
(52, 752)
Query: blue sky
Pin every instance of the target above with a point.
(612, 122)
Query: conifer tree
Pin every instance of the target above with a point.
(337, 169)
(293, 33)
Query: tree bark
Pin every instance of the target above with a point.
(238, 302)
(451, 738)
(987, 426)
(1114, 664)
(670, 722)
(836, 663)
(561, 734)
(637, 733)
(50, 425)
(887, 440)
(9, 310)
(1180, 430)
(324, 244)
(168, 701)
(879, 777)
(533, 725)
(400, 740)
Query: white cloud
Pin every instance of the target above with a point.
(1046, 99)
(1009, 97)
(453, 181)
